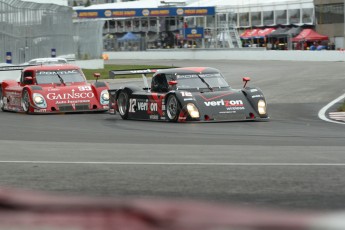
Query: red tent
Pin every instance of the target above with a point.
(248, 34)
(264, 32)
(309, 35)
(256, 33)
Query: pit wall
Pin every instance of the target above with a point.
(239, 54)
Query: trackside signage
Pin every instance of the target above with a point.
(146, 12)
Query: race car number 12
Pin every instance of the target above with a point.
(132, 103)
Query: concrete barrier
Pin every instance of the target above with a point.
(236, 54)
(90, 64)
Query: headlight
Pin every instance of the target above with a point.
(39, 100)
(104, 97)
(192, 110)
(261, 107)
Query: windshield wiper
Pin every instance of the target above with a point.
(203, 80)
(61, 79)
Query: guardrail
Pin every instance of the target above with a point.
(233, 54)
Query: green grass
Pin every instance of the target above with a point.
(342, 108)
(105, 72)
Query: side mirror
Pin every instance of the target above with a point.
(97, 75)
(28, 80)
(245, 80)
(172, 83)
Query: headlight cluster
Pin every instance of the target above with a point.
(262, 107)
(39, 100)
(104, 97)
(193, 110)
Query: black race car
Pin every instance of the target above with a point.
(186, 94)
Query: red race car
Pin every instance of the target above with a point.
(50, 89)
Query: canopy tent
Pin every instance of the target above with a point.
(279, 33)
(264, 32)
(129, 37)
(309, 35)
(293, 32)
(256, 33)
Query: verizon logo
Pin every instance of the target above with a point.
(226, 103)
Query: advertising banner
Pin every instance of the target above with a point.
(194, 33)
(146, 12)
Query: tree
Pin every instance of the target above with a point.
(88, 3)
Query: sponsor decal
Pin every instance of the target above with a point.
(61, 72)
(13, 98)
(230, 105)
(88, 14)
(226, 103)
(227, 112)
(141, 71)
(235, 108)
(188, 99)
(85, 88)
(146, 12)
(40, 110)
(179, 11)
(124, 13)
(154, 117)
(186, 94)
(72, 95)
(135, 105)
(153, 105)
(256, 96)
(53, 89)
(157, 99)
(253, 90)
(71, 102)
(107, 13)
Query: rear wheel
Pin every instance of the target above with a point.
(26, 101)
(123, 104)
(173, 108)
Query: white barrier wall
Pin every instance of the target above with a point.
(90, 64)
(239, 54)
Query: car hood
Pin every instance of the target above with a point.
(227, 105)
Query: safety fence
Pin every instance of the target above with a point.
(31, 30)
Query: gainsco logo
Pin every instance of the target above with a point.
(225, 103)
(73, 95)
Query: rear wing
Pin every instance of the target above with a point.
(143, 72)
(13, 67)
(11, 72)
(114, 73)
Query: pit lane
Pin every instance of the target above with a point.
(296, 160)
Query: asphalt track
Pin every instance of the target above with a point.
(294, 161)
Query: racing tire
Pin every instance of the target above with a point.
(173, 108)
(26, 101)
(1, 100)
(123, 104)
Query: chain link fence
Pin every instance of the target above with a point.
(88, 39)
(31, 30)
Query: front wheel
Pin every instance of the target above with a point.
(173, 108)
(123, 104)
(26, 101)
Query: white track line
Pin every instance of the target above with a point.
(172, 163)
(322, 112)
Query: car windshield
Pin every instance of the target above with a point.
(195, 81)
(52, 76)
